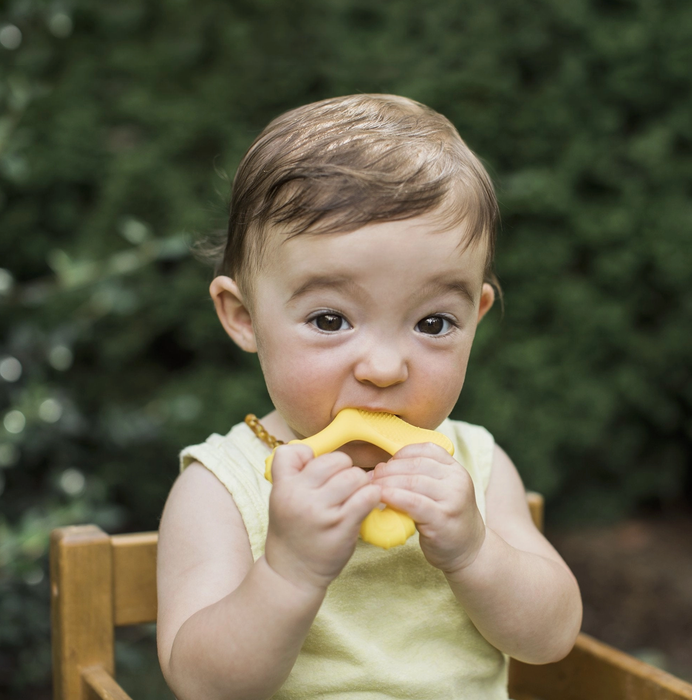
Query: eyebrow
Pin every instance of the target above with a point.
(459, 287)
(317, 283)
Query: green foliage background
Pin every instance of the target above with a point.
(117, 122)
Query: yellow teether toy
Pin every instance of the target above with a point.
(384, 528)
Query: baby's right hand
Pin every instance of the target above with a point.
(315, 511)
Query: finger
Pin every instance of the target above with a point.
(321, 469)
(435, 489)
(289, 460)
(343, 485)
(415, 465)
(355, 508)
(421, 509)
(425, 449)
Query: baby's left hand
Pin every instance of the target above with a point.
(437, 492)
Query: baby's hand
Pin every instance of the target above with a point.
(437, 492)
(315, 510)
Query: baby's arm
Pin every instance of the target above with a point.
(231, 628)
(518, 591)
(514, 586)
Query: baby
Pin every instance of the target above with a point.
(358, 265)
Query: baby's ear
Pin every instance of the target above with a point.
(233, 312)
(487, 300)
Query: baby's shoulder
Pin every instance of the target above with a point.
(237, 451)
(470, 440)
(237, 460)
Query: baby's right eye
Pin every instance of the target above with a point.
(330, 323)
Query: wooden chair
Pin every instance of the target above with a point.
(99, 582)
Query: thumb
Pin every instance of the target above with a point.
(289, 460)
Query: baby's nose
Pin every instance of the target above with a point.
(382, 366)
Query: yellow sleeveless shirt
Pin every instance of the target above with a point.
(389, 626)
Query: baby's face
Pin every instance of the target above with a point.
(382, 318)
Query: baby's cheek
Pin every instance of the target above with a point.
(305, 394)
(437, 401)
(449, 376)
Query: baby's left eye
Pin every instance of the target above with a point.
(330, 323)
(434, 325)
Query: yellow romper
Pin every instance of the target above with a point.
(389, 626)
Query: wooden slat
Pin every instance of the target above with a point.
(535, 501)
(81, 606)
(595, 671)
(134, 578)
(102, 686)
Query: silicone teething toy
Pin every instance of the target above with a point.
(383, 528)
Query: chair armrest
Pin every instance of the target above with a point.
(101, 685)
(595, 671)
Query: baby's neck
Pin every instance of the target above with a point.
(275, 425)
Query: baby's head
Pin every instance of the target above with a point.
(358, 261)
(343, 163)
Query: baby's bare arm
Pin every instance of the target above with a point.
(518, 591)
(231, 628)
(227, 627)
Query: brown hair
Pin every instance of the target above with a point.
(343, 163)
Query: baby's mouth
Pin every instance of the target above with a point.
(376, 410)
(364, 454)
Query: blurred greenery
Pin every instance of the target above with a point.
(117, 124)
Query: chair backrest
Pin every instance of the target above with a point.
(99, 582)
